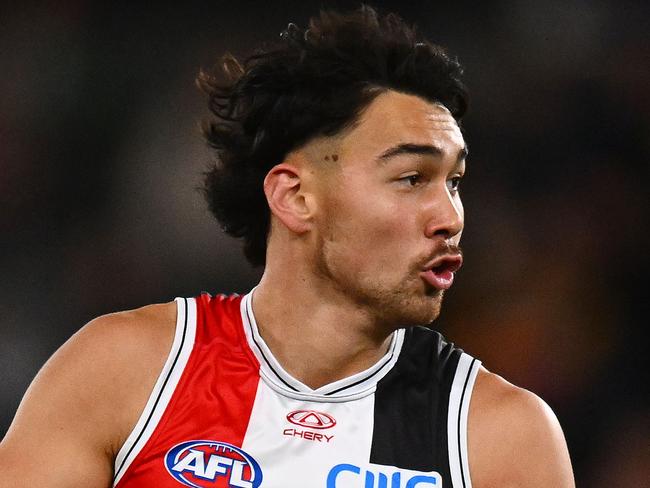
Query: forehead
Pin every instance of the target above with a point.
(395, 118)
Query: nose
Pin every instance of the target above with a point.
(446, 217)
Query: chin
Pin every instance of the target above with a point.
(432, 305)
(420, 310)
(427, 316)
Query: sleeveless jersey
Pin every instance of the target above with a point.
(224, 413)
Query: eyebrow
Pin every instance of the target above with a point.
(420, 149)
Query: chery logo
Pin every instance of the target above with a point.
(311, 419)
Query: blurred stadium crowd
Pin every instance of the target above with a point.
(101, 158)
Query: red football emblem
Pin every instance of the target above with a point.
(311, 419)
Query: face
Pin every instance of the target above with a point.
(389, 214)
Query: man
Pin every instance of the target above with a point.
(340, 158)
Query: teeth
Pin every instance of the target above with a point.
(446, 264)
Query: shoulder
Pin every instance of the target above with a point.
(132, 335)
(101, 377)
(514, 437)
(121, 355)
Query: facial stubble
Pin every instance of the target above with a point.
(392, 303)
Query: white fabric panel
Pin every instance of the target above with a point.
(464, 414)
(294, 462)
(459, 398)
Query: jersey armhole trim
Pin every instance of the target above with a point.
(459, 399)
(164, 388)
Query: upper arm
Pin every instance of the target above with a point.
(84, 401)
(515, 439)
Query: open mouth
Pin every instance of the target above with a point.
(440, 272)
(448, 264)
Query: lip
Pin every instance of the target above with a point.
(439, 273)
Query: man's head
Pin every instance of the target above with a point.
(311, 83)
(347, 135)
(375, 211)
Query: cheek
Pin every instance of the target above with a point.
(366, 225)
(368, 210)
(375, 229)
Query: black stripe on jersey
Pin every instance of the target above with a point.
(460, 409)
(250, 325)
(411, 405)
(169, 373)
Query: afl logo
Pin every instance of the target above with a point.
(311, 419)
(207, 464)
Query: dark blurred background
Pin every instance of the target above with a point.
(101, 158)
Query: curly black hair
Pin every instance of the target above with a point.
(310, 83)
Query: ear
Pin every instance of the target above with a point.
(285, 195)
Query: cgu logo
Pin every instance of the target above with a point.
(311, 419)
(212, 464)
(376, 476)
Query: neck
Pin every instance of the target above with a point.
(317, 334)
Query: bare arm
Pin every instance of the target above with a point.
(83, 403)
(515, 440)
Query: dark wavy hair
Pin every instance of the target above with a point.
(310, 83)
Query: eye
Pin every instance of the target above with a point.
(453, 184)
(412, 179)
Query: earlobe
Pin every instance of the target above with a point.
(284, 192)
